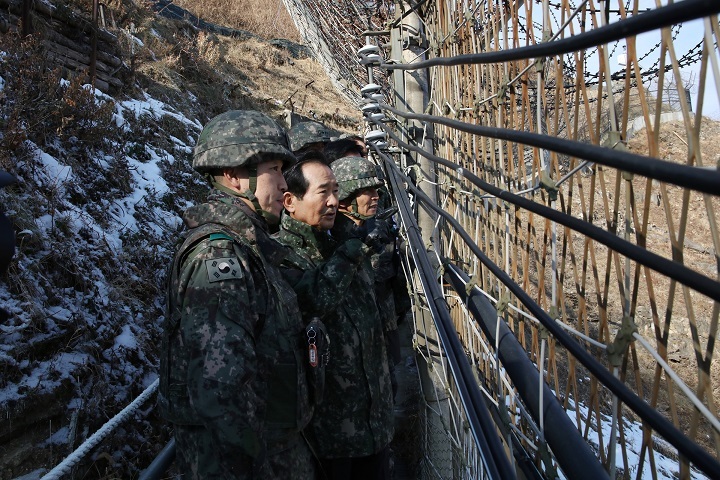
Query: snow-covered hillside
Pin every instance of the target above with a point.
(102, 182)
(85, 291)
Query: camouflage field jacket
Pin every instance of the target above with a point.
(385, 268)
(333, 280)
(232, 358)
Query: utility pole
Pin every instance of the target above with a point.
(411, 94)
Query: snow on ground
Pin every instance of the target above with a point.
(667, 468)
(102, 326)
(125, 358)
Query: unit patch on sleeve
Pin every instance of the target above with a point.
(223, 269)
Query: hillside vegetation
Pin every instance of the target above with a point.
(267, 19)
(103, 178)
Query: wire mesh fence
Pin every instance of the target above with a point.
(574, 144)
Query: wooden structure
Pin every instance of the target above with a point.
(69, 39)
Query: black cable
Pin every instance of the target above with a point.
(692, 451)
(572, 453)
(674, 270)
(161, 463)
(413, 8)
(481, 424)
(701, 180)
(658, 18)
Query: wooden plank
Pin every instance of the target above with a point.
(67, 17)
(61, 39)
(75, 65)
(83, 58)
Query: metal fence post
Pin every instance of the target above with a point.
(161, 463)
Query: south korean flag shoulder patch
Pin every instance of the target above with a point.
(223, 269)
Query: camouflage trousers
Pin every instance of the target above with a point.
(197, 458)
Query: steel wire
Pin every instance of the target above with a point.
(679, 272)
(685, 446)
(658, 18)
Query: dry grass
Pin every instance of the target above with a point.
(226, 73)
(200, 74)
(301, 84)
(267, 19)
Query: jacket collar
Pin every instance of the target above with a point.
(300, 236)
(230, 212)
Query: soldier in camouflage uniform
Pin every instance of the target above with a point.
(310, 135)
(333, 277)
(390, 286)
(232, 373)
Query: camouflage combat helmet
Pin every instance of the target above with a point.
(235, 138)
(241, 138)
(307, 133)
(353, 174)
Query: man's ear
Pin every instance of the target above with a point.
(289, 201)
(345, 206)
(235, 178)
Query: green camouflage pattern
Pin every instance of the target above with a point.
(390, 290)
(233, 366)
(240, 138)
(306, 133)
(293, 461)
(385, 268)
(333, 280)
(382, 262)
(353, 174)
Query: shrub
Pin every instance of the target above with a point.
(37, 105)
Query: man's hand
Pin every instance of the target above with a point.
(379, 234)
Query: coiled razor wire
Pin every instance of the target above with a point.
(64, 467)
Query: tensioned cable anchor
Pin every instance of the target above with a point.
(550, 470)
(623, 338)
(502, 304)
(549, 185)
(472, 283)
(419, 175)
(540, 64)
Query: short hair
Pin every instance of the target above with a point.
(345, 147)
(312, 155)
(297, 183)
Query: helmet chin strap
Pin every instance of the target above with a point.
(353, 212)
(249, 194)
